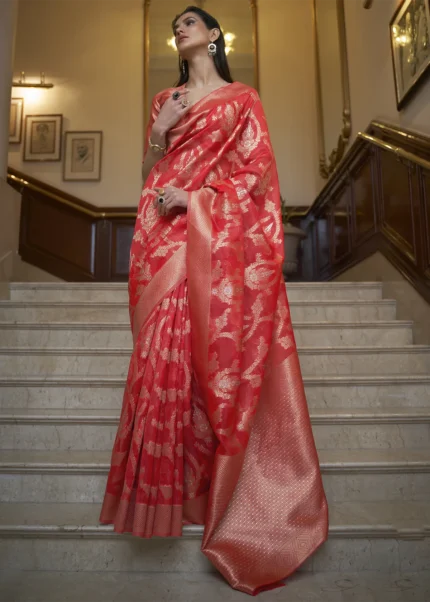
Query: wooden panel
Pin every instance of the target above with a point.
(55, 238)
(426, 221)
(363, 200)
(322, 234)
(397, 201)
(376, 203)
(341, 233)
(122, 236)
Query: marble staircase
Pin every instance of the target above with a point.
(64, 352)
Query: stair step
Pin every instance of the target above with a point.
(406, 359)
(318, 334)
(329, 586)
(63, 536)
(349, 475)
(406, 520)
(87, 311)
(323, 392)
(118, 292)
(406, 428)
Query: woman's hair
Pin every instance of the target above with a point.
(220, 57)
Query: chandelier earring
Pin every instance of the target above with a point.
(212, 49)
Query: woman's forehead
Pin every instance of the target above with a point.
(183, 18)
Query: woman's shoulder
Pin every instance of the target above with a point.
(247, 91)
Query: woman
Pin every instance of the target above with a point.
(214, 428)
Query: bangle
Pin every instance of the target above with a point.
(156, 147)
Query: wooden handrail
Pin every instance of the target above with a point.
(64, 199)
(399, 152)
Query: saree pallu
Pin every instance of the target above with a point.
(214, 427)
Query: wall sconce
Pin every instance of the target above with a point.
(21, 83)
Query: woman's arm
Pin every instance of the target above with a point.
(158, 136)
(163, 118)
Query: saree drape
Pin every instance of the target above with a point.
(214, 427)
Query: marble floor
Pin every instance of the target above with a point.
(204, 587)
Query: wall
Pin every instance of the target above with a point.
(93, 52)
(287, 76)
(410, 304)
(371, 71)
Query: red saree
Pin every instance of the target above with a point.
(214, 427)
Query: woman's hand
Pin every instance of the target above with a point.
(174, 198)
(170, 113)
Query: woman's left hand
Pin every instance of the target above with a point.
(173, 198)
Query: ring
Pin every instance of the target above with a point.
(185, 102)
(176, 95)
(161, 192)
(161, 200)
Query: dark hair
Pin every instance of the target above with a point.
(220, 59)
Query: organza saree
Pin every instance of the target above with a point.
(214, 427)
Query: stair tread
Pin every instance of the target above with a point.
(332, 349)
(145, 586)
(344, 458)
(105, 380)
(332, 413)
(124, 286)
(104, 304)
(391, 514)
(126, 325)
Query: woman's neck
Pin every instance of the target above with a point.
(202, 72)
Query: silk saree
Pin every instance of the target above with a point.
(214, 428)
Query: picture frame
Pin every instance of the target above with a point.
(42, 137)
(16, 120)
(83, 156)
(410, 47)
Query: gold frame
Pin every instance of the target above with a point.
(327, 165)
(253, 4)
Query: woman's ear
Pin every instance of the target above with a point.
(215, 34)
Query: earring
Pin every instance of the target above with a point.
(184, 69)
(212, 49)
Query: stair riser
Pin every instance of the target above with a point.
(318, 397)
(182, 555)
(122, 339)
(88, 488)
(302, 313)
(326, 292)
(93, 437)
(312, 364)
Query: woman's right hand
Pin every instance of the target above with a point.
(170, 113)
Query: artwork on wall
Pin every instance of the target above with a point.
(410, 45)
(42, 138)
(83, 156)
(15, 120)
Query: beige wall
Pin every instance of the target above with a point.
(287, 74)
(93, 52)
(410, 304)
(10, 203)
(371, 71)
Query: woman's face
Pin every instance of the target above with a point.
(191, 34)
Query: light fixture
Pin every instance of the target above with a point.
(172, 43)
(21, 83)
(400, 37)
(229, 39)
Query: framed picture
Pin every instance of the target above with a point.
(83, 156)
(15, 120)
(42, 138)
(410, 45)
